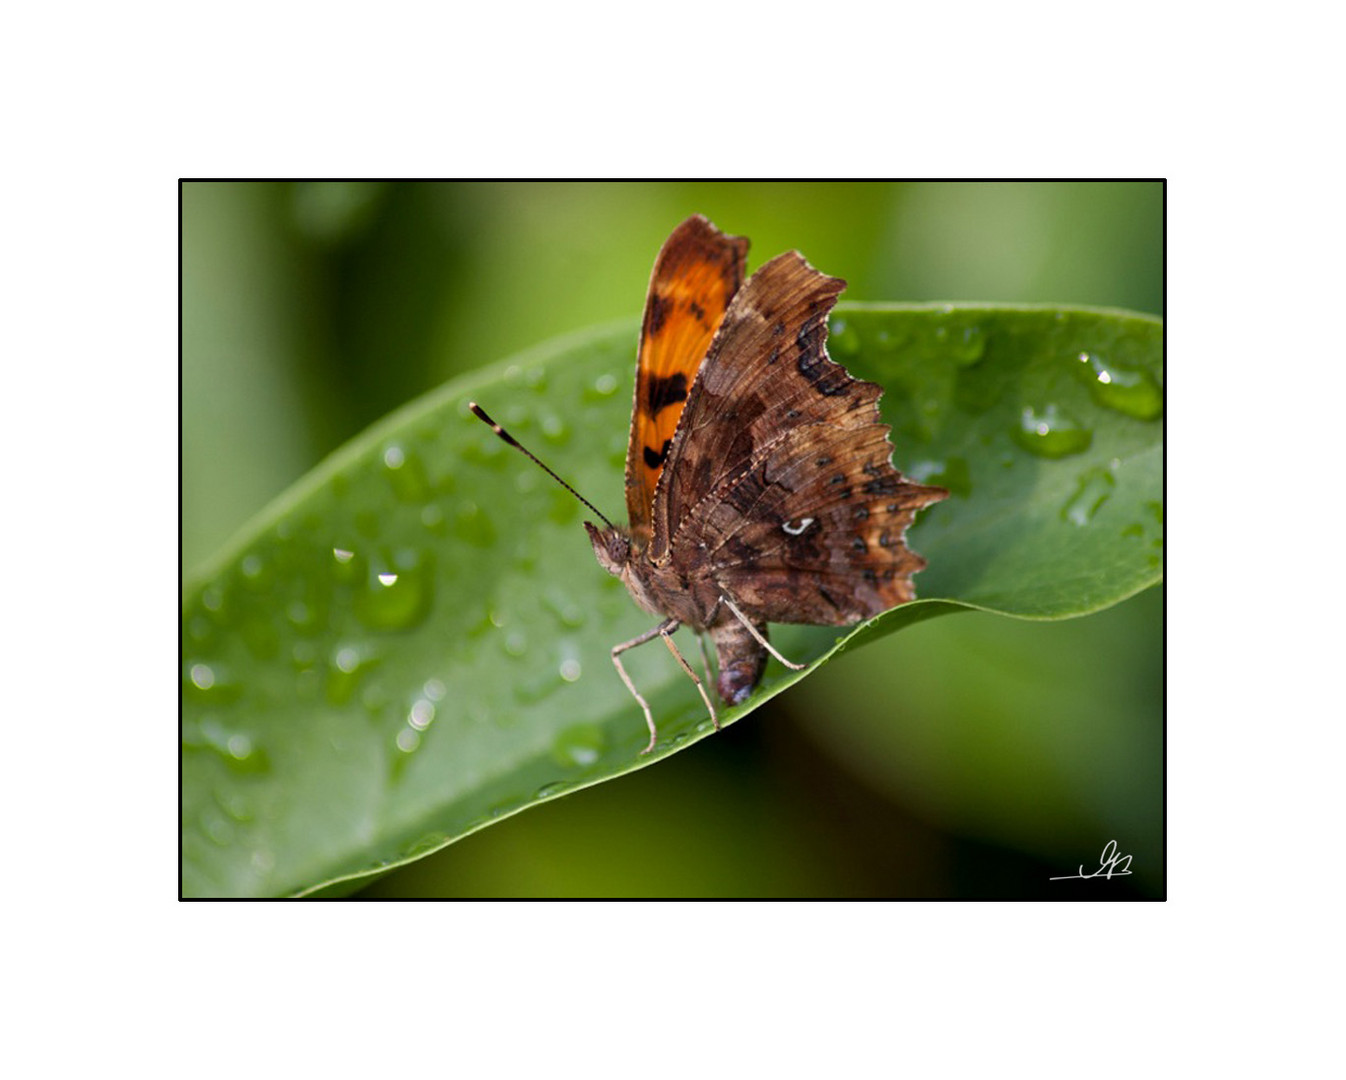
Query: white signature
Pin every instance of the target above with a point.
(1110, 866)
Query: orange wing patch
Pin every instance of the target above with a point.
(696, 275)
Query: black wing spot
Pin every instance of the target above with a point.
(665, 390)
(656, 313)
(655, 458)
(884, 485)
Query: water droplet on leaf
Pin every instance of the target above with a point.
(579, 745)
(397, 596)
(1120, 387)
(1051, 432)
(966, 345)
(1094, 489)
(406, 474)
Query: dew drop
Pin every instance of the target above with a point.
(434, 690)
(966, 345)
(1094, 489)
(953, 474)
(567, 611)
(408, 740)
(570, 669)
(346, 669)
(605, 385)
(887, 340)
(548, 790)
(423, 845)
(374, 698)
(422, 714)
(525, 483)
(397, 596)
(516, 643)
(1132, 391)
(1051, 432)
(209, 684)
(237, 748)
(216, 826)
(554, 429)
(256, 573)
(432, 517)
(406, 474)
(200, 629)
(579, 745)
(301, 616)
(235, 805)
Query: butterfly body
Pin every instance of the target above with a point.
(759, 480)
(694, 600)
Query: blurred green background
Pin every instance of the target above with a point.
(969, 756)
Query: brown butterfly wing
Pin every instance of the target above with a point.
(780, 485)
(697, 273)
(814, 529)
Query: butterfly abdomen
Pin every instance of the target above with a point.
(739, 658)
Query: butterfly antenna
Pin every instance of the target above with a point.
(480, 414)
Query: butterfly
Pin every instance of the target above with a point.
(759, 478)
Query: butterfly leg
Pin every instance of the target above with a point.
(705, 660)
(762, 641)
(665, 627)
(701, 687)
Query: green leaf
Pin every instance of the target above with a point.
(414, 641)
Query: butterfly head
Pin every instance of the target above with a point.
(612, 548)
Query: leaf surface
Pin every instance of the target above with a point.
(413, 641)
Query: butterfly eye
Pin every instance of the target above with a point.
(797, 526)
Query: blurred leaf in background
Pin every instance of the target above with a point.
(974, 756)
